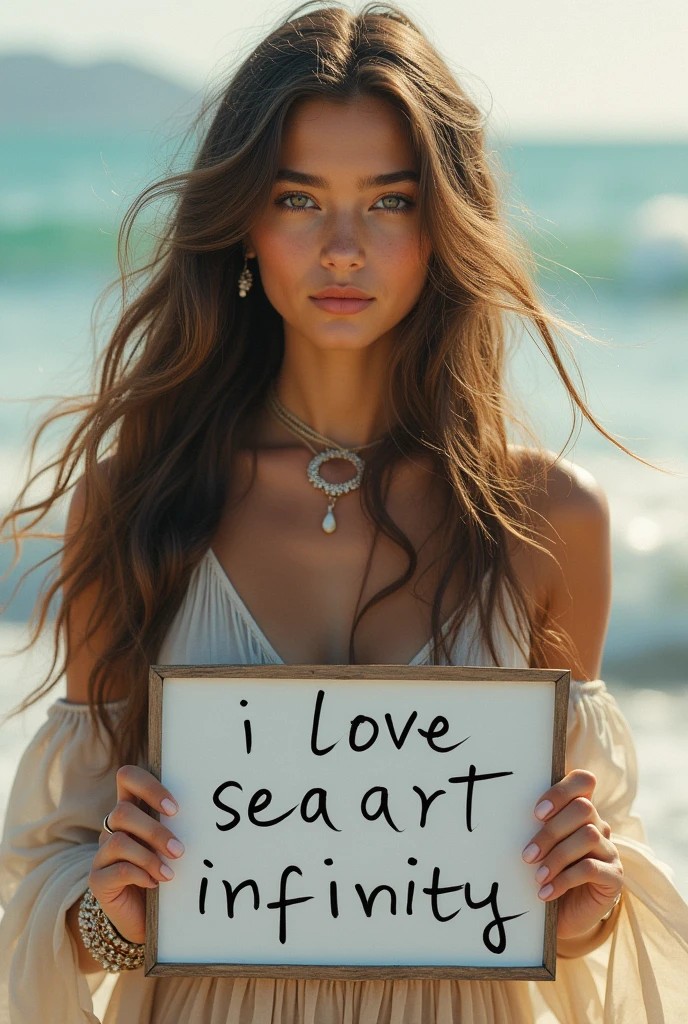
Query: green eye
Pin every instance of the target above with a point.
(297, 205)
(396, 199)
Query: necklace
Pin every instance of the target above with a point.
(332, 451)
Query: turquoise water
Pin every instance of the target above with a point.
(590, 210)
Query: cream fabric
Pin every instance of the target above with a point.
(638, 976)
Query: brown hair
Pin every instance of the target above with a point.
(183, 371)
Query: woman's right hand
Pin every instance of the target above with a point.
(128, 861)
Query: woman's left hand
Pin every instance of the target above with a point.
(574, 856)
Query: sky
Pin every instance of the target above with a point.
(609, 69)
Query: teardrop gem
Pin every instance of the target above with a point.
(329, 523)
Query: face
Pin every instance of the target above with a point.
(342, 214)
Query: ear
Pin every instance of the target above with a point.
(248, 248)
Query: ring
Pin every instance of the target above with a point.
(613, 906)
(106, 827)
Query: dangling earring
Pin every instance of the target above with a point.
(245, 278)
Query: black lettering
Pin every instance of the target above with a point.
(258, 802)
(247, 735)
(382, 809)
(426, 802)
(399, 740)
(232, 893)
(436, 890)
(321, 809)
(203, 890)
(316, 725)
(334, 902)
(356, 723)
(440, 727)
(471, 779)
(225, 807)
(410, 889)
(368, 901)
(498, 920)
(282, 903)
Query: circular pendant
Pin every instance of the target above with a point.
(335, 490)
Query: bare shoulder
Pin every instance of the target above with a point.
(570, 514)
(575, 583)
(559, 489)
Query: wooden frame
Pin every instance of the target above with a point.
(560, 678)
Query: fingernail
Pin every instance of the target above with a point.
(541, 873)
(546, 891)
(175, 847)
(543, 809)
(168, 873)
(530, 853)
(169, 807)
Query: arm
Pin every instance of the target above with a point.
(123, 867)
(574, 843)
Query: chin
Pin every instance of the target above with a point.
(341, 344)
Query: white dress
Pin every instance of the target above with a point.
(638, 975)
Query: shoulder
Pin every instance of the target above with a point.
(561, 490)
(571, 574)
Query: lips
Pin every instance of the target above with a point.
(341, 301)
(342, 306)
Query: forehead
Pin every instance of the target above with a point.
(366, 133)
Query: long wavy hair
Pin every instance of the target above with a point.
(188, 364)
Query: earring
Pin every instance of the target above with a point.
(245, 278)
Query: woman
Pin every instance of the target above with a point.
(334, 278)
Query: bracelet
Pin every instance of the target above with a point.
(102, 939)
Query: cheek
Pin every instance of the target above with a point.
(284, 262)
(403, 266)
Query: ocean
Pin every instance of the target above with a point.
(609, 224)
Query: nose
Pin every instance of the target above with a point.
(342, 249)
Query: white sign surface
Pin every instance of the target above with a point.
(347, 821)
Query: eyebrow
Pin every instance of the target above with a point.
(371, 181)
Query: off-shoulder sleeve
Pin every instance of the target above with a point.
(54, 817)
(640, 974)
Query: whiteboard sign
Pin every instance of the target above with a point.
(354, 821)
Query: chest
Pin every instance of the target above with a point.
(303, 587)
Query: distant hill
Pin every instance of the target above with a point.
(37, 91)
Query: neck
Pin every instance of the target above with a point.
(338, 393)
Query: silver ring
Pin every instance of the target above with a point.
(106, 827)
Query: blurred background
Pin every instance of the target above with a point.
(588, 116)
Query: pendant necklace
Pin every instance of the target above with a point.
(332, 451)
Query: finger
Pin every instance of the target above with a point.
(577, 783)
(134, 783)
(127, 817)
(605, 878)
(580, 811)
(121, 846)
(107, 883)
(585, 841)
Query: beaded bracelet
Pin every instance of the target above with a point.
(102, 939)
